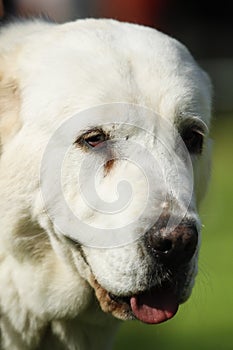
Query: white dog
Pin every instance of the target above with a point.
(86, 107)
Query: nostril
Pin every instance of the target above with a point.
(162, 245)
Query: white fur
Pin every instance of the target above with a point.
(61, 70)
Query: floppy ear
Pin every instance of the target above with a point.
(9, 102)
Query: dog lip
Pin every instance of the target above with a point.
(120, 299)
(126, 299)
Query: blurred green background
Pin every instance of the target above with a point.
(205, 322)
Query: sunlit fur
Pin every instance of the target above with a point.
(49, 72)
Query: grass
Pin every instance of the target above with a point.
(205, 322)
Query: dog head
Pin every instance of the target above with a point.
(112, 130)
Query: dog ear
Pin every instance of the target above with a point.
(9, 102)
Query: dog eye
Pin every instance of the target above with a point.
(193, 139)
(93, 138)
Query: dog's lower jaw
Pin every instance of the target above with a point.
(171, 293)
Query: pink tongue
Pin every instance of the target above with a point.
(155, 306)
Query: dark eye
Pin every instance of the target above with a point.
(193, 139)
(93, 138)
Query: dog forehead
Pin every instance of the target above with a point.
(96, 43)
(90, 62)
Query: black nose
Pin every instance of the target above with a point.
(176, 246)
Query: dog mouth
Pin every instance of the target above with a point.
(154, 306)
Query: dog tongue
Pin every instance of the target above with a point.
(154, 306)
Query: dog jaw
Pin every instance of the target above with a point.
(167, 288)
(155, 305)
